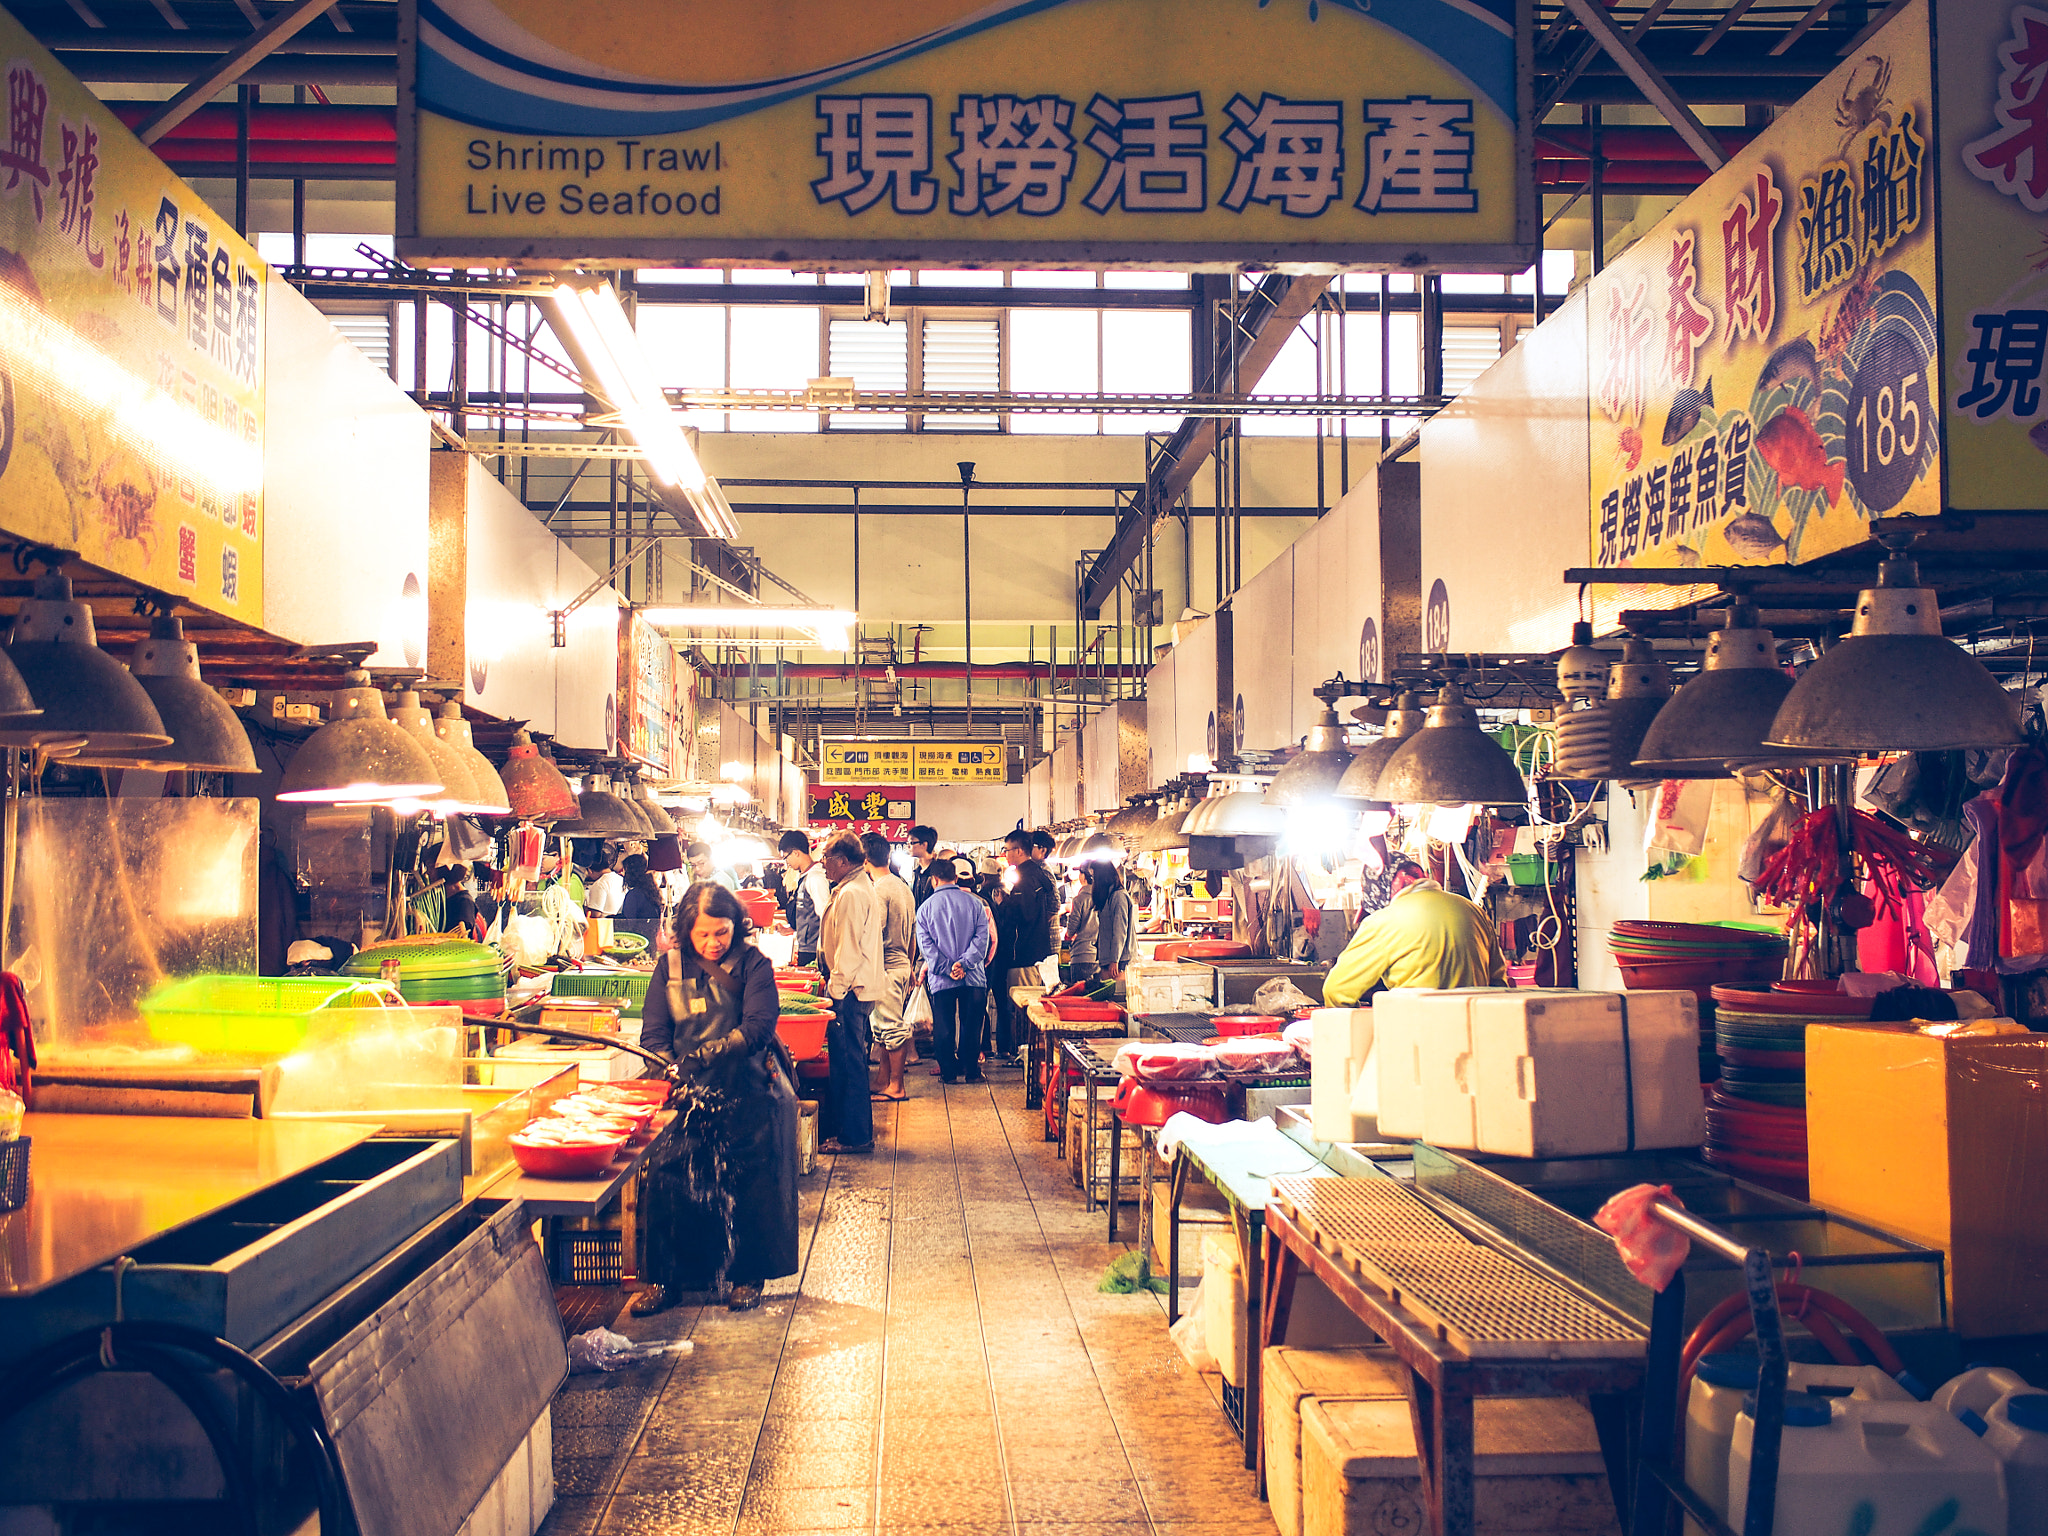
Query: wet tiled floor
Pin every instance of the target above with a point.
(944, 1363)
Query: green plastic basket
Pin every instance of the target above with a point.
(252, 1015)
(631, 988)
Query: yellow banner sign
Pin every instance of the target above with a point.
(896, 133)
(1994, 272)
(911, 762)
(131, 352)
(1763, 362)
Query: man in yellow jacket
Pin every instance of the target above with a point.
(1424, 937)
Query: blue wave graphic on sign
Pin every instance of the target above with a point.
(476, 67)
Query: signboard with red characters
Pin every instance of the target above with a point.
(864, 808)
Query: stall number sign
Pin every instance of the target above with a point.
(887, 810)
(1157, 131)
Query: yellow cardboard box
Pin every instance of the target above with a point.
(1945, 1142)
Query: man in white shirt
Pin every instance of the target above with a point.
(856, 978)
(607, 892)
(899, 921)
(803, 879)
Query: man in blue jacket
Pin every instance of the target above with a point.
(952, 936)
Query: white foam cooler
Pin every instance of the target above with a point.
(1541, 1073)
(1340, 1050)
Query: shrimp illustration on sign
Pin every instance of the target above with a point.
(1789, 444)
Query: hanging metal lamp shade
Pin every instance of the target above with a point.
(90, 702)
(1166, 830)
(534, 785)
(359, 755)
(205, 735)
(1128, 823)
(1098, 844)
(459, 793)
(1638, 688)
(658, 818)
(1314, 772)
(1894, 684)
(452, 728)
(604, 814)
(1240, 813)
(1361, 779)
(1717, 722)
(1451, 761)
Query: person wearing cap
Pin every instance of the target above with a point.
(1424, 937)
(955, 939)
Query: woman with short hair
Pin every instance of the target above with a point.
(719, 1201)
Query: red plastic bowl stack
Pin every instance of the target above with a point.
(1756, 1112)
(1695, 957)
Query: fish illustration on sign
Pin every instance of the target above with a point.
(1790, 446)
(1753, 535)
(1793, 361)
(1685, 412)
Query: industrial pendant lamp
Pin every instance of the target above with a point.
(1451, 761)
(1717, 722)
(1166, 831)
(1130, 824)
(453, 728)
(459, 793)
(1238, 813)
(658, 818)
(604, 814)
(1894, 684)
(205, 735)
(90, 702)
(1581, 669)
(359, 755)
(534, 785)
(1313, 773)
(1361, 779)
(1601, 740)
(622, 790)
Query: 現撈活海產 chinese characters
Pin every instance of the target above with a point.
(1021, 155)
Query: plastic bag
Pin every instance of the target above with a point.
(602, 1350)
(1652, 1250)
(1301, 1035)
(1254, 1053)
(1280, 996)
(1678, 817)
(1153, 1061)
(1771, 834)
(1130, 1274)
(1192, 1339)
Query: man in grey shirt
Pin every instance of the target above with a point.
(899, 922)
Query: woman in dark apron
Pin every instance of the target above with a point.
(719, 1202)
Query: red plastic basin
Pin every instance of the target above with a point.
(580, 1160)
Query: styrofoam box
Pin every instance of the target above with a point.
(1152, 986)
(1340, 1049)
(1538, 1072)
(1555, 1073)
(1413, 1031)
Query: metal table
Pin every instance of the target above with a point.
(1083, 1061)
(1242, 1175)
(553, 1199)
(1465, 1320)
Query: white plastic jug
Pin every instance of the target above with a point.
(1977, 1390)
(1888, 1468)
(2016, 1431)
(1719, 1386)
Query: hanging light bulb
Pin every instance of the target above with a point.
(1581, 669)
(1312, 774)
(359, 755)
(1361, 779)
(90, 702)
(1717, 722)
(459, 793)
(1451, 761)
(1894, 684)
(534, 785)
(452, 728)
(1600, 741)
(205, 735)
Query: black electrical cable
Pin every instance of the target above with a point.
(144, 1343)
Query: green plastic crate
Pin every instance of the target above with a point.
(256, 1015)
(1533, 869)
(631, 988)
